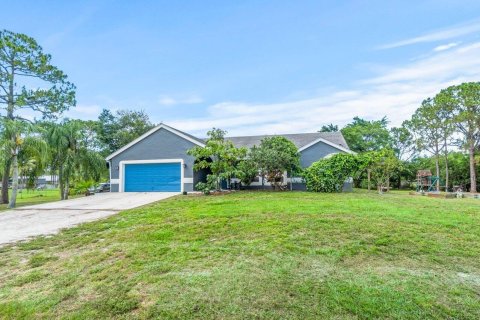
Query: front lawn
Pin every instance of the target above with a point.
(265, 255)
(31, 197)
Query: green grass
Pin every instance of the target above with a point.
(31, 197)
(257, 255)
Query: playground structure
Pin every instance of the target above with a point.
(427, 186)
(426, 182)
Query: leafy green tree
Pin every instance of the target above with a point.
(329, 128)
(402, 142)
(23, 66)
(247, 171)
(382, 164)
(363, 136)
(463, 101)
(404, 146)
(71, 156)
(274, 157)
(90, 136)
(30, 169)
(329, 174)
(32, 160)
(219, 155)
(431, 130)
(24, 142)
(447, 127)
(121, 128)
(459, 169)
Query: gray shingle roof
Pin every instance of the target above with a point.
(299, 139)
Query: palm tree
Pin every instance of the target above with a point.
(23, 140)
(31, 166)
(71, 155)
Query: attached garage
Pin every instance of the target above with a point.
(151, 175)
(158, 161)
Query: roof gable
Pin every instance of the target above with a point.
(339, 147)
(179, 133)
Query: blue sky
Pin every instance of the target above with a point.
(254, 67)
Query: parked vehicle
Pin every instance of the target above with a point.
(41, 187)
(102, 187)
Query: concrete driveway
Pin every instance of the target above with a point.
(49, 218)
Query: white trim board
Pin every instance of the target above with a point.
(160, 126)
(121, 180)
(339, 147)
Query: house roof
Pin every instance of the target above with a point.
(198, 140)
(179, 133)
(301, 140)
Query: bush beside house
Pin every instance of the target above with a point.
(329, 175)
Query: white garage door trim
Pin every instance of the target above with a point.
(121, 185)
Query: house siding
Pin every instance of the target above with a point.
(315, 153)
(307, 157)
(161, 144)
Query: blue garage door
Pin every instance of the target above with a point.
(153, 177)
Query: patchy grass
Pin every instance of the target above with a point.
(31, 197)
(256, 255)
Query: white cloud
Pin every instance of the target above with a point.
(439, 35)
(394, 92)
(441, 66)
(166, 100)
(446, 46)
(84, 112)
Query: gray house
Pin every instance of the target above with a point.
(158, 160)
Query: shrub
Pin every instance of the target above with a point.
(206, 187)
(203, 187)
(328, 175)
(82, 187)
(247, 171)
